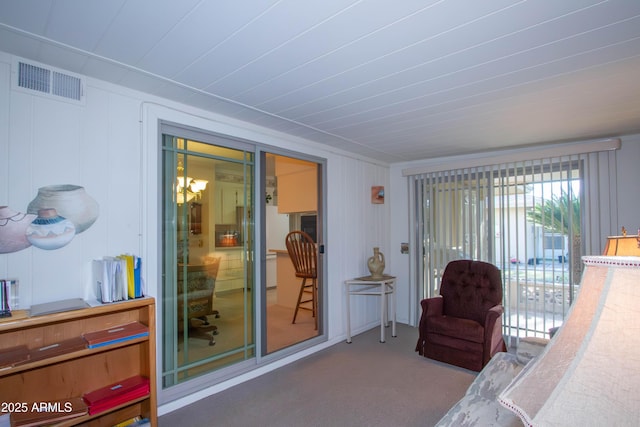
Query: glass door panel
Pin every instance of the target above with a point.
(292, 202)
(208, 312)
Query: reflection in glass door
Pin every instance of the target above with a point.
(292, 203)
(208, 313)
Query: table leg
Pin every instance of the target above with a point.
(348, 316)
(393, 310)
(383, 309)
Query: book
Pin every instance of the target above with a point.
(58, 306)
(114, 278)
(116, 394)
(58, 348)
(127, 266)
(130, 422)
(45, 413)
(12, 356)
(115, 334)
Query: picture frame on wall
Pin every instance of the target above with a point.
(377, 194)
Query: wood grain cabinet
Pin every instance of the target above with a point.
(68, 375)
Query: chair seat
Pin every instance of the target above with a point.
(462, 329)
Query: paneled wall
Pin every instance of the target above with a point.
(106, 146)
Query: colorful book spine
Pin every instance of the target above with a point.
(136, 276)
(116, 334)
(116, 394)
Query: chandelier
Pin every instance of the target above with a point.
(188, 188)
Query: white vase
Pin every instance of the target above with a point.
(13, 228)
(70, 201)
(376, 264)
(50, 231)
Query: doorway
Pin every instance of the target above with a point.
(292, 202)
(220, 314)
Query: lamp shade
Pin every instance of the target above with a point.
(622, 246)
(589, 373)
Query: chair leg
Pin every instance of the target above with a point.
(313, 300)
(295, 313)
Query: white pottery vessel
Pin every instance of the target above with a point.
(70, 201)
(13, 228)
(50, 231)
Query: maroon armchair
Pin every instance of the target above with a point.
(463, 326)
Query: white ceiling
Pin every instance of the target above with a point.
(391, 80)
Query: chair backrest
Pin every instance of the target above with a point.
(303, 253)
(211, 265)
(470, 288)
(200, 276)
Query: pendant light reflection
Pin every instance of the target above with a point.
(188, 188)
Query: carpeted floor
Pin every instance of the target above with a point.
(365, 383)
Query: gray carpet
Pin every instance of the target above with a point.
(365, 383)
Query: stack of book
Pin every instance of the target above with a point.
(115, 334)
(117, 278)
(119, 393)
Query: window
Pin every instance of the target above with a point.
(534, 219)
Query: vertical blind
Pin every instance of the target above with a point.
(532, 218)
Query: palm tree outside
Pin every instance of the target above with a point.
(561, 214)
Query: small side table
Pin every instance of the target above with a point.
(384, 288)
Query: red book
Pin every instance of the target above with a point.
(116, 334)
(56, 349)
(11, 356)
(116, 394)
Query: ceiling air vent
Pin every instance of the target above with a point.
(43, 80)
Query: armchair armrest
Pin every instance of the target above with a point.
(493, 340)
(430, 307)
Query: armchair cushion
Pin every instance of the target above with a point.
(464, 329)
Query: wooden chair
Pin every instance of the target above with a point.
(200, 288)
(303, 253)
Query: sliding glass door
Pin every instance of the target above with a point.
(292, 203)
(222, 312)
(528, 218)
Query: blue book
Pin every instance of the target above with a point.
(136, 277)
(116, 334)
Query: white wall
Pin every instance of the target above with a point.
(110, 146)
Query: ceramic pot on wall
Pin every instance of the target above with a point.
(50, 231)
(70, 201)
(13, 228)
